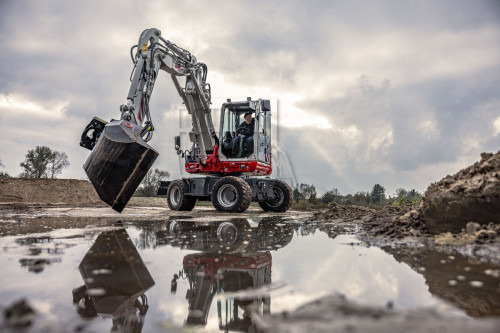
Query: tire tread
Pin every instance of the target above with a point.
(242, 187)
(287, 201)
(187, 202)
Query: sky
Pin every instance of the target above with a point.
(399, 93)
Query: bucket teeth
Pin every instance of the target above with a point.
(118, 163)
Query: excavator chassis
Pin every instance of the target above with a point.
(119, 161)
(231, 194)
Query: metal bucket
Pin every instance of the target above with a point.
(118, 163)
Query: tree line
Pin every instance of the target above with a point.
(376, 197)
(44, 162)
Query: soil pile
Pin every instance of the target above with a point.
(392, 221)
(336, 211)
(471, 195)
(48, 191)
(397, 221)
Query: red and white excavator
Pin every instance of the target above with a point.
(231, 168)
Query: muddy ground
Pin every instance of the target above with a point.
(459, 215)
(333, 312)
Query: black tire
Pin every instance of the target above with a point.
(231, 194)
(282, 201)
(271, 236)
(176, 199)
(231, 236)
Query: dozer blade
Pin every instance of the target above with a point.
(118, 163)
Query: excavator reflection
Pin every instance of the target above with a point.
(232, 260)
(116, 280)
(235, 263)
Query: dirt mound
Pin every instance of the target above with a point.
(336, 211)
(48, 191)
(471, 195)
(397, 221)
(393, 221)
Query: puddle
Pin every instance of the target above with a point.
(166, 275)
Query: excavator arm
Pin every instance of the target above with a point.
(154, 53)
(120, 156)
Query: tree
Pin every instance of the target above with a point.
(308, 191)
(58, 162)
(296, 194)
(401, 193)
(3, 174)
(377, 193)
(43, 162)
(330, 196)
(148, 184)
(412, 195)
(361, 198)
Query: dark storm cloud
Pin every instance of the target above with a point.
(284, 44)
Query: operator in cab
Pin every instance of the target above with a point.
(247, 127)
(245, 132)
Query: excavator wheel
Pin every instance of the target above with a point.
(231, 194)
(282, 201)
(176, 199)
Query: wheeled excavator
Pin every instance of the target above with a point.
(231, 168)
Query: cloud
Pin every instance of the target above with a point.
(496, 126)
(386, 92)
(17, 105)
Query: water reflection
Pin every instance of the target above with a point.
(116, 280)
(469, 284)
(235, 256)
(37, 265)
(225, 272)
(234, 236)
(42, 252)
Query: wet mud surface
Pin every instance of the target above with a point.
(83, 269)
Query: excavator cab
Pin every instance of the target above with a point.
(250, 141)
(211, 274)
(235, 312)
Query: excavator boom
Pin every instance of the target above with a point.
(120, 156)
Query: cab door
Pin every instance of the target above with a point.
(264, 136)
